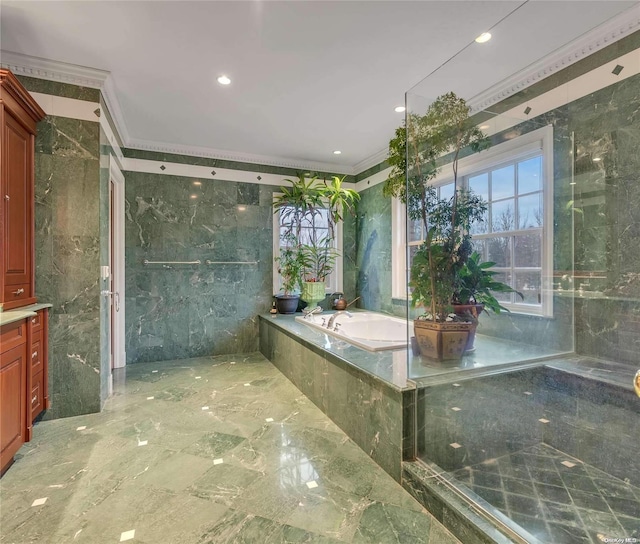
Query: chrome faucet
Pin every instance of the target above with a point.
(310, 313)
(333, 317)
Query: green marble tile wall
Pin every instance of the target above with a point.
(607, 221)
(373, 250)
(596, 220)
(67, 232)
(180, 311)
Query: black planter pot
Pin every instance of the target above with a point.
(287, 304)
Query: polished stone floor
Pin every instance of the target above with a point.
(557, 498)
(207, 450)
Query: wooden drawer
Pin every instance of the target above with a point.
(36, 321)
(12, 335)
(13, 403)
(37, 395)
(36, 354)
(16, 293)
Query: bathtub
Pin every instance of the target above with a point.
(367, 330)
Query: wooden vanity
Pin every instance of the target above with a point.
(23, 323)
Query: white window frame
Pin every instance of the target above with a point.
(334, 281)
(512, 150)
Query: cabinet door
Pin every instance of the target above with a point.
(12, 402)
(17, 188)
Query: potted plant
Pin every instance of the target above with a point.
(310, 211)
(290, 265)
(474, 293)
(440, 135)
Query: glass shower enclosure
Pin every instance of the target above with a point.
(532, 436)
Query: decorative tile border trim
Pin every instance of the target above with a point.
(60, 106)
(206, 172)
(617, 28)
(163, 147)
(624, 24)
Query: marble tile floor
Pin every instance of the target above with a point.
(208, 450)
(557, 498)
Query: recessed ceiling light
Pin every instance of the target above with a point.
(483, 38)
(597, 159)
(242, 208)
(400, 109)
(197, 183)
(224, 80)
(337, 152)
(484, 127)
(194, 196)
(572, 183)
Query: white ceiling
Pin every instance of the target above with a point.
(307, 77)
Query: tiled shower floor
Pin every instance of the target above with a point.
(556, 497)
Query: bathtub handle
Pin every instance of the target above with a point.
(335, 329)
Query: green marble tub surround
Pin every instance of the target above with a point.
(150, 463)
(366, 404)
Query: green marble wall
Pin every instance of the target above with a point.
(67, 233)
(607, 221)
(373, 250)
(180, 311)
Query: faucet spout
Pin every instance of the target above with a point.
(309, 314)
(334, 316)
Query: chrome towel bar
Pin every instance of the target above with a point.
(171, 262)
(145, 262)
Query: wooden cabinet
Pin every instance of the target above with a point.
(13, 389)
(39, 368)
(19, 114)
(23, 342)
(24, 378)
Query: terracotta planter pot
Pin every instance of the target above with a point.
(287, 304)
(442, 341)
(473, 311)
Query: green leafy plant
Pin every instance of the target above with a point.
(439, 260)
(291, 263)
(437, 137)
(309, 213)
(476, 285)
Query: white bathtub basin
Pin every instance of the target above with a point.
(366, 330)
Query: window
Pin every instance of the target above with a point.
(516, 180)
(312, 229)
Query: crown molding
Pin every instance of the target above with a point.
(609, 32)
(53, 70)
(210, 153)
(598, 38)
(110, 97)
(371, 160)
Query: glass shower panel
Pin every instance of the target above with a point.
(523, 420)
